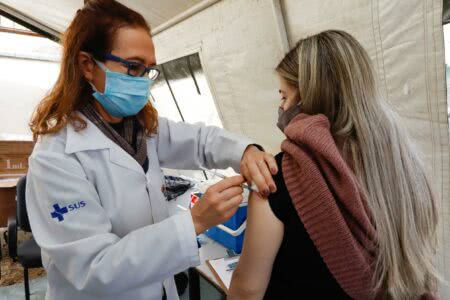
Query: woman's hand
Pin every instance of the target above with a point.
(218, 204)
(258, 167)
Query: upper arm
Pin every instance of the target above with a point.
(189, 146)
(263, 238)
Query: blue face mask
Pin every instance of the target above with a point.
(124, 95)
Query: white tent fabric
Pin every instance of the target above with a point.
(57, 14)
(405, 41)
(239, 45)
(52, 13)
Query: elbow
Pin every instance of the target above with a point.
(94, 286)
(244, 293)
(241, 289)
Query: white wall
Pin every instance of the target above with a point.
(408, 55)
(238, 54)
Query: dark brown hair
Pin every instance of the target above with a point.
(92, 30)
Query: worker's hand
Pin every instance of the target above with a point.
(218, 204)
(258, 167)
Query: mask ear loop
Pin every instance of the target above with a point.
(102, 67)
(93, 87)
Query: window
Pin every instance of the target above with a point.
(181, 93)
(29, 67)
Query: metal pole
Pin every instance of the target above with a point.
(28, 22)
(171, 92)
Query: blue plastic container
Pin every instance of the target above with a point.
(227, 240)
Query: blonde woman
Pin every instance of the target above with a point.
(354, 215)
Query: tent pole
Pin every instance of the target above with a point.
(281, 28)
(29, 22)
(184, 15)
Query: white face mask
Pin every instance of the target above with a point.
(285, 117)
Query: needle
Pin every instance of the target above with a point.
(245, 186)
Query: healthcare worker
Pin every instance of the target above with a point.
(94, 183)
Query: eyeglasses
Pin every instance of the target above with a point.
(135, 69)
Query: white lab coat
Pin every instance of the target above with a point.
(116, 240)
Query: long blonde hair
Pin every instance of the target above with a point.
(335, 77)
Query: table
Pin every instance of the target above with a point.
(209, 250)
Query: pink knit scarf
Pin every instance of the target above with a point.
(328, 201)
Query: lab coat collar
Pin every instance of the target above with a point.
(89, 138)
(92, 138)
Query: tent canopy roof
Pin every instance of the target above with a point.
(156, 12)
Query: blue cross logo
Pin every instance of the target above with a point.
(59, 212)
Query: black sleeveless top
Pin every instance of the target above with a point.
(298, 270)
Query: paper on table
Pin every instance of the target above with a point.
(221, 270)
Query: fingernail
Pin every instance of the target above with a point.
(273, 188)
